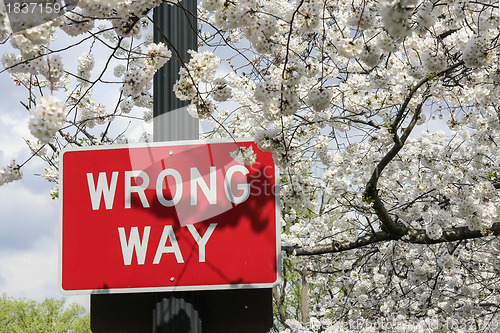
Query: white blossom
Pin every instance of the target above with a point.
(47, 118)
(475, 52)
(221, 91)
(319, 99)
(244, 155)
(201, 108)
(10, 173)
(85, 65)
(51, 174)
(119, 70)
(158, 55)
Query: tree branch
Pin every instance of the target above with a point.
(304, 298)
(413, 236)
(280, 305)
(396, 230)
(341, 247)
(418, 236)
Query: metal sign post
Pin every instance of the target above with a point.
(177, 27)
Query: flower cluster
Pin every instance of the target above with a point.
(157, 55)
(4, 26)
(77, 22)
(319, 99)
(395, 15)
(363, 17)
(85, 65)
(137, 80)
(51, 174)
(322, 149)
(10, 173)
(244, 155)
(30, 41)
(201, 68)
(221, 91)
(266, 90)
(122, 13)
(90, 112)
(201, 108)
(475, 52)
(47, 118)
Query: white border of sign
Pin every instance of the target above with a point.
(174, 288)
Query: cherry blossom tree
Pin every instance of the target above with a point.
(382, 115)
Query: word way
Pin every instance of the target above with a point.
(134, 243)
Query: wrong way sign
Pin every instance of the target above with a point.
(166, 217)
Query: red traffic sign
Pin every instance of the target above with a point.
(167, 217)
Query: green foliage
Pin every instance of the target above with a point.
(432, 76)
(493, 176)
(49, 316)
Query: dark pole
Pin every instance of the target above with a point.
(177, 27)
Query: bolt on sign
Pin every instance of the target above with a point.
(168, 217)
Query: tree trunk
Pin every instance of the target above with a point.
(304, 299)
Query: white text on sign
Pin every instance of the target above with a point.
(140, 246)
(107, 188)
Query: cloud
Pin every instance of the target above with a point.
(13, 128)
(34, 274)
(27, 216)
(31, 274)
(2, 281)
(29, 241)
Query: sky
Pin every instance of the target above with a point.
(29, 216)
(29, 234)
